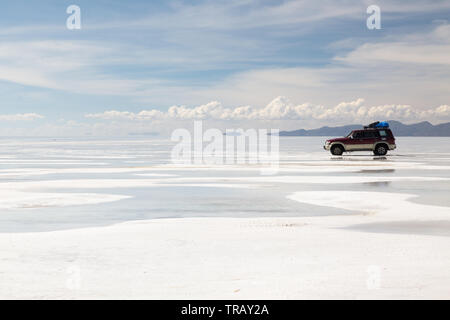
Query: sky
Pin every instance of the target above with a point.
(150, 66)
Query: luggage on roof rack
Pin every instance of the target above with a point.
(376, 125)
(382, 124)
(372, 125)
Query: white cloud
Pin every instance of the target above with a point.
(20, 117)
(279, 113)
(282, 109)
(73, 66)
(126, 115)
(431, 49)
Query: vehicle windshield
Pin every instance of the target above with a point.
(349, 135)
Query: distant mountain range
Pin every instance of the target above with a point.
(421, 129)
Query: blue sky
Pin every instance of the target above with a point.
(297, 60)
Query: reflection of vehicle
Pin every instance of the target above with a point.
(376, 137)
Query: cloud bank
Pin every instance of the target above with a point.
(282, 109)
(20, 117)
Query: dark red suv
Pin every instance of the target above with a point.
(378, 139)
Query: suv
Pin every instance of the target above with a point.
(376, 137)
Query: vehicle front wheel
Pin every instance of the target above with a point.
(381, 150)
(337, 150)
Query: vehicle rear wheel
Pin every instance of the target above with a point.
(337, 150)
(381, 150)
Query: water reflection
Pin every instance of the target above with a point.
(377, 171)
(378, 183)
(357, 158)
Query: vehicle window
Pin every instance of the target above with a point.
(369, 134)
(358, 135)
(383, 133)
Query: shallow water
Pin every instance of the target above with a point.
(57, 184)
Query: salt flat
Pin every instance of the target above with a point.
(136, 226)
(266, 258)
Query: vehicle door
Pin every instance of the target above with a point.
(355, 141)
(369, 139)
